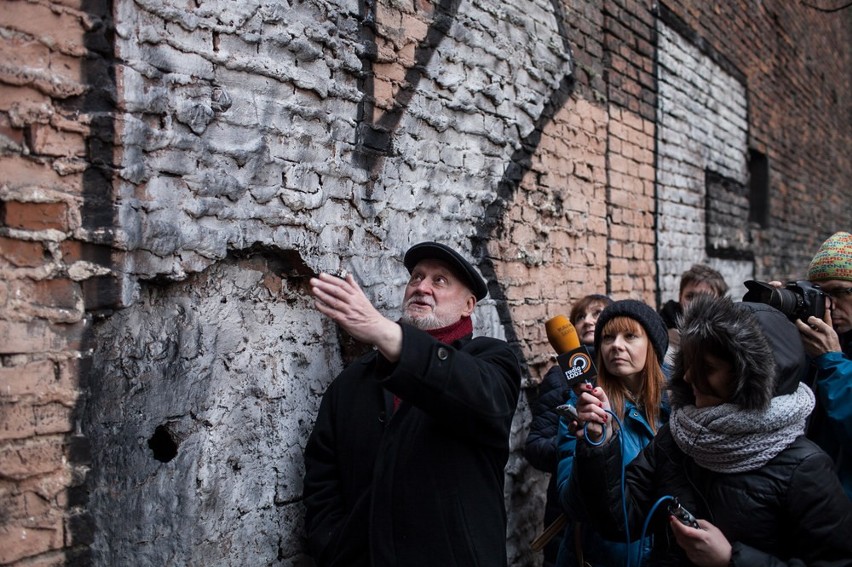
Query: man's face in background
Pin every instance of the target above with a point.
(840, 301)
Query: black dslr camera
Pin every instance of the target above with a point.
(796, 300)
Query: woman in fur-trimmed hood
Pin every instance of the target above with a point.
(754, 336)
(733, 453)
(767, 363)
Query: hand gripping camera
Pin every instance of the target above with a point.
(796, 300)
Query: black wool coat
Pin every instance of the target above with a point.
(422, 486)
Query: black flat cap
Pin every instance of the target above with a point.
(460, 267)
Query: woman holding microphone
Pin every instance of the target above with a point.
(630, 344)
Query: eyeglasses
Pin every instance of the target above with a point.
(839, 293)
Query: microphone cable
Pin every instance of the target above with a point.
(656, 505)
(623, 468)
(648, 522)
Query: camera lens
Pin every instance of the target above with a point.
(785, 301)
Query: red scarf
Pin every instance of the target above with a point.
(460, 329)
(454, 332)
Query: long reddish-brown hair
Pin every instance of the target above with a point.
(653, 381)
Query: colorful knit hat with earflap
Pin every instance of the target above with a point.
(833, 260)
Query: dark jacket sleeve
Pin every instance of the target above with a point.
(834, 387)
(822, 515)
(597, 476)
(472, 388)
(541, 448)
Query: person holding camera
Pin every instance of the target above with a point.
(405, 463)
(731, 480)
(828, 342)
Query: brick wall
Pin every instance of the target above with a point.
(795, 83)
(51, 259)
(170, 178)
(702, 131)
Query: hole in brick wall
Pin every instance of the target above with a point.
(758, 169)
(727, 211)
(164, 444)
(286, 264)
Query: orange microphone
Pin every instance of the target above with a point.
(573, 358)
(562, 334)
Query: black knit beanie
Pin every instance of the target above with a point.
(650, 320)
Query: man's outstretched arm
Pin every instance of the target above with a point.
(343, 300)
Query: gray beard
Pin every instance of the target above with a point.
(424, 323)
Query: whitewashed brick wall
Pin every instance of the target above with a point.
(239, 143)
(702, 124)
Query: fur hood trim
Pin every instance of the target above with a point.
(762, 344)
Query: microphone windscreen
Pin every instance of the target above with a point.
(562, 334)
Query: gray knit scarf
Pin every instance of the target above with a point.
(729, 439)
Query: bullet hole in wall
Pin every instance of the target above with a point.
(164, 444)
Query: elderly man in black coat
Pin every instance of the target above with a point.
(404, 466)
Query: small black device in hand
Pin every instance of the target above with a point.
(682, 514)
(568, 411)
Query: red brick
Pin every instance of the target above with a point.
(36, 505)
(54, 559)
(31, 458)
(10, 132)
(48, 141)
(75, 251)
(79, 5)
(61, 29)
(20, 540)
(28, 172)
(55, 293)
(15, 96)
(16, 421)
(38, 336)
(79, 124)
(51, 418)
(36, 216)
(29, 379)
(26, 53)
(14, 503)
(22, 253)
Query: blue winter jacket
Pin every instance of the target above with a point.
(597, 551)
(833, 387)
